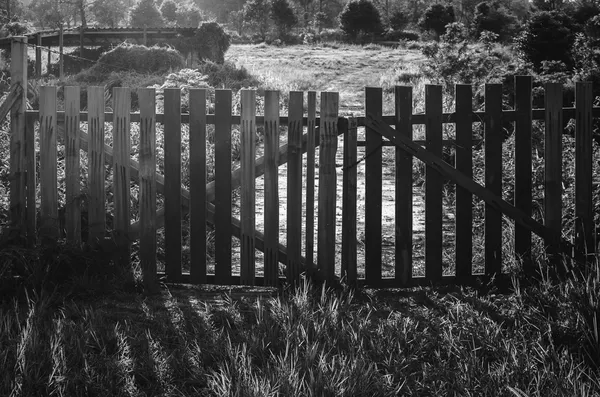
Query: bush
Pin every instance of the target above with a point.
(360, 17)
(211, 42)
(398, 35)
(146, 15)
(16, 29)
(227, 75)
(331, 35)
(436, 17)
(493, 18)
(398, 20)
(283, 16)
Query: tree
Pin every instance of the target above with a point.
(283, 17)
(495, 19)
(109, 12)
(168, 9)
(51, 13)
(256, 15)
(188, 16)
(398, 20)
(436, 17)
(145, 15)
(360, 17)
(212, 42)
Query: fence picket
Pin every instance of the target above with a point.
(434, 183)
(310, 180)
(172, 145)
(48, 180)
(198, 185)
(493, 177)
(404, 184)
(247, 196)
(147, 175)
(96, 167)
(349, 198)
(271, 188)
(294, 186)
(17, 193)
(31, 184)
(373, 189)
(72, 178)
(222, 186)
(464, 164)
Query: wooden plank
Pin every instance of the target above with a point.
(30, 163)
(327, 185)
(493, 177)
(403, 194)
(72, 169)
(373, 190)
(147, 199)
(48, 160)
(523, 124)
(14, 95)
(121, 173)
(434, 184)
(223, 186)
(464, 198)
(271, 187)
(349, 201)
(96, 167)
(553, 165)
(310, 180)
(294, 186)
(61, 55)
(172, 145)
(198, 185)
(584, 219)
(38, 56)
(247, 191)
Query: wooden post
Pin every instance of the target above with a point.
(17, 136)
(294, 186)
(349, 211)
(38, 56)
(96, 167)
(72, 169)
(310, 181)
(49, 60)
(60, 61)
(48, 178)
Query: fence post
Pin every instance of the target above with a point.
(18, 72)
(61, 48)
(38, 56)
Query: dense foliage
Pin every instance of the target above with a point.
(360, 17)
(211, 42)
(283, 17)
(146, 15)
(436, 18)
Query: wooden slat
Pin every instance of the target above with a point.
(48, 179)
(553, 164)
(72, 156)
(247, 191)
(584, 219)
(327, 185)
(464, 198)
(434, 184)
(198, 185)
(38, 56)
(493, 177)
(223, 186)
(271, 187)
(373, 195)
(96, 167)
(404, 184)
(147, 199)
(294, 186)
(523, 124)
(172, 145)
(349, 201)
(310, 180)
(30, 163)
(14, 95)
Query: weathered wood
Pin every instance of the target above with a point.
(584, 219)
(349, 201)
(222, 186)
(434, 184)
(310, 140)
(38, 56)
(48, 160)
(373, 188)
(197, 197)
(72, 169)
(464, 164)
(30, 163)
(172, 144)
(14, 95)
(96, 167)
(247, 191)
(147, 183)
(493, 177)
(294, 186)
(271, 188)
(61, 67)
(404, 192)
(523, 124)
(327, 185)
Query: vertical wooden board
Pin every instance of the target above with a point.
(349, 201)
(294, 186)
(373, 189)
(327, 185)
(147, 199)
(38, 56)
(172, 144)
(223, 202)
(72, 156)
(404, 191)
(434, 184)
(96, 167)
(48, 160)
(464, 164)
(30, 163)
(310, 180)
(523, 124)
(584, 226)
(247, 191)
(61, 53)
(198, 185)
(271, 188)
(493, 176)
(121, 171)
(553, 164)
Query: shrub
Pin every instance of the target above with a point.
(436, 17)
(398, 20)
(493, 18)
(139, 58)
(16, 29)
(256, 16)
(188, 16)
(398, 35)
(360, 16)
(146, 15)
(168, 9)
(331, 35)
(283, 16)
(227, 75)
(211, 42)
